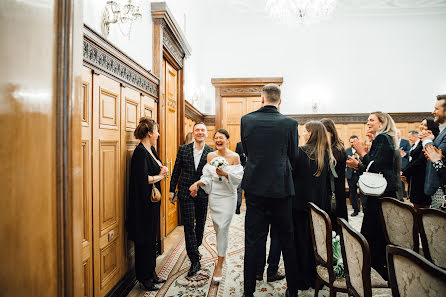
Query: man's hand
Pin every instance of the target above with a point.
(359, 147)
(171, 195)
(352, 162)
(402, 153)
(193, 190)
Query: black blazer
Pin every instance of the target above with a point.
(350, 172)
(269, 141)
(184, 173)
(239, 151)
(341, 161)
(415, 172)
(142, 214)
(382, 153)
(405, 146)
(310, 188)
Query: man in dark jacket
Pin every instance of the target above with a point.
(239, 151)
(270, 143)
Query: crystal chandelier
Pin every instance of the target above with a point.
(303, 11)
(124, 15)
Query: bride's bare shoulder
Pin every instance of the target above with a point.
(234, 158)
(211, 156)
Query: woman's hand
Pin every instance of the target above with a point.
(193, 190)
(426, 135)
(164, 171)
(432, 153)
(352, 162)
(221, 172)
(359, 147)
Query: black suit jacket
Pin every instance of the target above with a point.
(270, 143)
(415, 172)
(239, 151)
(350, 172)
(405, 146)
(184, 173)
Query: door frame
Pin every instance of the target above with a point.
(170, 44)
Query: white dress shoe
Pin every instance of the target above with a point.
(217, 279)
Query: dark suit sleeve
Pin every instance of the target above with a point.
(293, 142)
(242, 137)
(176, 170)
(415, 165)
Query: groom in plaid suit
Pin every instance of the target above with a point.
(188, 168)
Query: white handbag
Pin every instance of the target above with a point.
(372, 184)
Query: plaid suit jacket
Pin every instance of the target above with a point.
(184, 173)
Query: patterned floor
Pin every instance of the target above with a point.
(175, 265)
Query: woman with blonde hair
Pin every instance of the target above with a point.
(312, 184)
(382, 153)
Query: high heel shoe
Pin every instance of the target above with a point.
(148, 285)
(217, 279)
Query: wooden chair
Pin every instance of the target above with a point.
(320, 226)
(433, 235)
(411, 275)
(400, 224)
(362, 280)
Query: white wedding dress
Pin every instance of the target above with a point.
(222, 200)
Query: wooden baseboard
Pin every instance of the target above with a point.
(124, 286)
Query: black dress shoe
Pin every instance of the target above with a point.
(275, 277)
(259, 277)
(237, 211)
(194, 268)
(158, 280)
(248, 295)
(148, 285)
(354, 214)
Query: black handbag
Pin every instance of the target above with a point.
(333, 175)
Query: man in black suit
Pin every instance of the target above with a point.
(239, 151)
(405, 152)
(269, 141)
(188, 168)
(352, 177)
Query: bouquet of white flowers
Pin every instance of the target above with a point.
(338, 264)
(219, 162)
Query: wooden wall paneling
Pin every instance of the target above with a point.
(132, 108)
(86, 169)
(107, 185)
(233, 108)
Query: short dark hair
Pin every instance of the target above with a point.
(199, 123)
(442, 97)
(414, 132)
(222, 131)
(145, 126)
(271, 92)
(354, 136)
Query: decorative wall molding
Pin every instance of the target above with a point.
(100, 55)
(359, 117)
(240, 91)
(209, 120)
(171, 45)
(191, 112)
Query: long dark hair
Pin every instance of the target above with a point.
(337, 145)
(432, 126)
(318, 144)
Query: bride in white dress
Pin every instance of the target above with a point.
(221, 184)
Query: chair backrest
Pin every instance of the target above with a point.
(400, 225)
(433, 235)
(411, 275)
(356, 256)
(320, 226)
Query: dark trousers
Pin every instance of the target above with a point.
(239, 196)
(260, 213)
(353, 190)
(193, 211)
(273, 256)
(145, 261)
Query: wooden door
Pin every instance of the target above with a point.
(131, 111)
(86, 169)
(171, 140)
(107, 187)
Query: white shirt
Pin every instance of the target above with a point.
(197, 156)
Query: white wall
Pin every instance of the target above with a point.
(356, 62)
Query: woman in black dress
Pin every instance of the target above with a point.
(146, 171)
(340, 155)
(312, 184)
(415, 172)
(382, 152)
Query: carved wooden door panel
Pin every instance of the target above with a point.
(86, 169)
(107, 185)
(171, 110)
(131, 111)
(253, 103)
(233, 110)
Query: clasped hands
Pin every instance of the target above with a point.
(353, 161)
(194, 187)
(164, 171)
